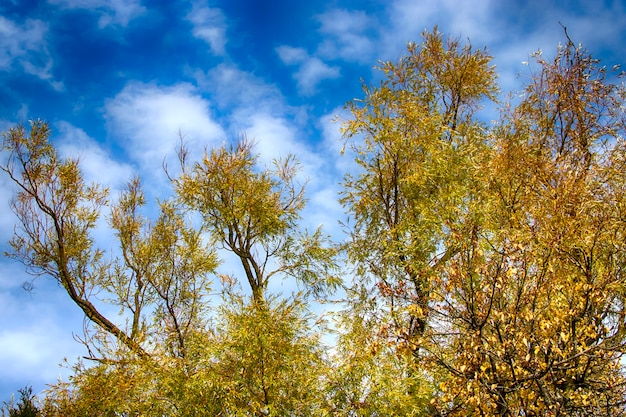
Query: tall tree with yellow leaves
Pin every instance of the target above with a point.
(164, 354)
(498, 253)
(535, 300)
(415, 136)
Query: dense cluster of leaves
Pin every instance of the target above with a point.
(26, 406)
(489, 259)
(499, 251)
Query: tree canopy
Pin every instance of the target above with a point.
(482, 273)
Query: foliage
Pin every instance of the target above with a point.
(254, 214)
(488, 259)
(501, 250)
(268, 361)
(416, 140)
(369, 376)
(536, 297)
(25, 407)
(168, 341)
(255, 362)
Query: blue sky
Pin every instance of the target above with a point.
(119, 79)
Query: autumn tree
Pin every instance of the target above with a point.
(149, 358)
(535, 300)
(488, 259)
(414, 136)
(369, 376)
(499, 251)
(255, 215)
(26, 406)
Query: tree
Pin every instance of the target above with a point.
(57, 211)
(415, 137)
(268, 361)
(501, 250)
(536, 298)
(161, 275)
(25, 406)
(254, 214)
(489, 260)
(369, 376)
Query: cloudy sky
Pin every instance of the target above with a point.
(119, 80)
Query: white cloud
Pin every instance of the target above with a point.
(17, 42)
(254, 108)
(25, 46)
(232, 88)
(350, 35)
(333, 142)
(472, 20)
(510, 34)
(209, 24)
(33, 353)
(34, 349)
(311, 70)
(324, 209)
(7, 218)
(112, 12)
(147, 120)
(274, 137)
(291, 56)
(258, 110)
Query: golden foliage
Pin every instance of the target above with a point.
(489, 260)
(498, 252)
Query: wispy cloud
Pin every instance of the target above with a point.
(348, 35)
(333, 142)
(260, 111)
(112, 12)
(24, 46)
(275, 137)
(311, 70)
(233, 89)
(18, 42)
(209, 24)
(465, 19)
